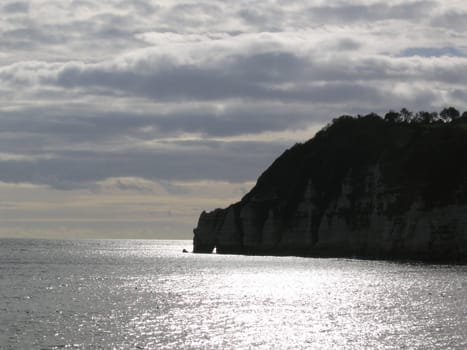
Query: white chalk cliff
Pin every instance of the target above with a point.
(333, 197)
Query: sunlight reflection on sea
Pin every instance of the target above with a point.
(147, 294)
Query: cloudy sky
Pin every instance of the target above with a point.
(128, 118)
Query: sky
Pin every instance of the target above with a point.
(126, 119)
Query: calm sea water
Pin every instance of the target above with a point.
(127, 294)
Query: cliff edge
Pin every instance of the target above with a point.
(362, 187)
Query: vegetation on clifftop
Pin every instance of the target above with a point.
(423, 153)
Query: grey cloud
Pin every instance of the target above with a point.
(267, 67)
(181, 83)
(16, 7)
(347, 44)
(108, 26)
(142, 7)
(370, 13)
(433, 52)
(262, 77)
(30, 37)
(452, 19)
(132, 186)
(460, 95)
(454, 74)
(230, 123)
(267, 18)
(103, 28)
(191, 84)
(88, 4)
(170, 187)
(233, 161)
(192, 15)
(79, 93)
(50, 130)
(103, 33)
(253, 77)
(268, 76)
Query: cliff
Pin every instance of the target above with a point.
(363, 187)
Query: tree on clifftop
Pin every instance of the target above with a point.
(406, 115)
(449, 114)
(392, 116)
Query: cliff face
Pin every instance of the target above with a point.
(362, 187)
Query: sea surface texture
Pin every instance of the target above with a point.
(127, 294)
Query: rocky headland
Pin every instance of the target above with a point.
(366, 186)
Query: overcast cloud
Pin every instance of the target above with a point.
(205, 92)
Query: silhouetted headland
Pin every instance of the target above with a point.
(365, 186)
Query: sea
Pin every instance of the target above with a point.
(148, 294)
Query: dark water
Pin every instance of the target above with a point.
(128, 294)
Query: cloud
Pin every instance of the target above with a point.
(128, 184)
(16, 7)
(371, 12)
(452, 18)
(137, 109)
(346, 44)
(434, 51)
(279, 75)
(157, 160)
(96, 88)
